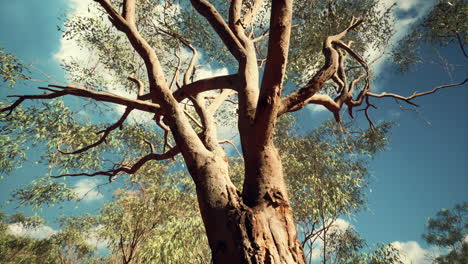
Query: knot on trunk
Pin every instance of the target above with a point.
(275, 198)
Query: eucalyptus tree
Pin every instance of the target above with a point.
(315, 43)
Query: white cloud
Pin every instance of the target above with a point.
(316, 108)
(40, 232)
(94, 240)
(412, 253)
(87, 189)
(208, 72)
(68, 47)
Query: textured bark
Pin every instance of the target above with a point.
(243, 228)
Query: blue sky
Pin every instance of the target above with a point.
(424, 169)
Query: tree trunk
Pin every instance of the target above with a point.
(260, 231)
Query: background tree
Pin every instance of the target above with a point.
(68, 246)
(449, 230)
(253, 224)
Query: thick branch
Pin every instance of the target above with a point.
(297, 99)
(208, 84)
(206, 9)
(272, 82)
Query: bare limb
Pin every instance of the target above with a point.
(227, 141)
(461, 44)
(208, 84)
(140, 86)
(176, 72)
(160, 123)
(414, 95)
(366, 112)
(222, 97)
(297, 99)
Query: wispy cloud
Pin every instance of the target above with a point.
(402, 25)
(87, 189)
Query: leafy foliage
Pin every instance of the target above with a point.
(345, 246)
(11, 68)
(65, 246)
(449, 229)
(157, 222)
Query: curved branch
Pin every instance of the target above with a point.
(126, 169)
(297, 99)
(104, 136)
(208, 84)
(140, 86)
(206, 9)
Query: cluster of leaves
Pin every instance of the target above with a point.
(11, 68)
(445, 24)
(449, 230)
(326, 169)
